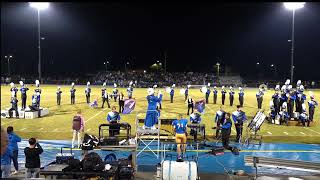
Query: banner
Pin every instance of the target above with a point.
(200, 106)
(129, 105)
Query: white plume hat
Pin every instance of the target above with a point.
(287, 82)
(104, 84)
(150, 91)
(114, 85)
(204, 89)
(173, 85)
(72, 84)
(11, 84)
(214, 87)
(21, 83)
(155, 86)
(240, 88)
(299, 82)
(88, 83)
(209, 84)
(222, 87)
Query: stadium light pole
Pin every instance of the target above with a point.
(125, 66)
(39, 6)
(8, 59)
(218, 68)
(106, 63)
(293, 6)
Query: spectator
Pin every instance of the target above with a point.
(5, 155)
(13, 146)
(77, 127)
(32, 154)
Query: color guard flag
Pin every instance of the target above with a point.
(129, 105)
(200, 106)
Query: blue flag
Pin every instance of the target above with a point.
(129, 105)
(200, 106)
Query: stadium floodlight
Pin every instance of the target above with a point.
(218, 68)
(272, 65)
(293, 6)
(258, 63)
(39, 6)
(106, 64)
(8, 59)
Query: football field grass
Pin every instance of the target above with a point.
(57, 125)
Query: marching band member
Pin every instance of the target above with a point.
(208, 93)
(23, 90)
(220, 115)
(115, 92)
(73, 93)
(215, 94)
(104, 95)
(259, 96)
(87, 91)
(241, 96)
(223, 92)
(284, 116)
(151, 115)
(292, 98)
(273, 113)
(186, 93)
(300, 98)
(276, 99)
(226, 124)
(303, 117)
(113, 118)
(35, 106)
(195, 118)
(231, 95)
(239, 117)
(130, 90)
(159, 104)
(172, 93)
(14, 107)
(190, 105)
(121, 102)
(59, 95)
(283, 97)
(312, 105)
(298, 84)
(13, 90)
(37, 89)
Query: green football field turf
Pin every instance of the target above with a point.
(57, 125)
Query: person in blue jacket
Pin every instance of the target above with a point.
(303, 117)
(152, 115)
(241, 96)
(13, 146)
(6, 163)
(239, 117)
(226, 131)
(231, 95)
(215, 94)
(208, 94)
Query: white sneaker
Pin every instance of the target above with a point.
(143, 127)
(14, 172)
(153, 127)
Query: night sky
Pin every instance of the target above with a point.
(79, 37)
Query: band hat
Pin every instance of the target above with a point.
(150, 91)
(299, 82)
(287, 82)
(88, 83)
(11, 84)
(59, 87)
(173, 85)
(240, 88)
(214, 87)
(21, 83)
(209, 84)
(72, 84)
(155, 86)
(104, 84)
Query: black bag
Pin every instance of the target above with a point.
(63, 158)
(92, 162)
(125, 168)
(110, 141)
(74, 165)
(89, 142)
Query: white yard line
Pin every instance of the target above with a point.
(269, 132)
(89, 129)
(311, 130)
(40, 128)
(286, 133)
(23, 129)
(95, 115)
(302, 133)
(233, 130)
(55, 130)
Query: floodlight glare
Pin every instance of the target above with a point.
(39, 5)
(293, 5)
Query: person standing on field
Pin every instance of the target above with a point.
(77, 127)
(59, 95)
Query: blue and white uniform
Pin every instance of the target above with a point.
(180, 126)
(152, 115)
